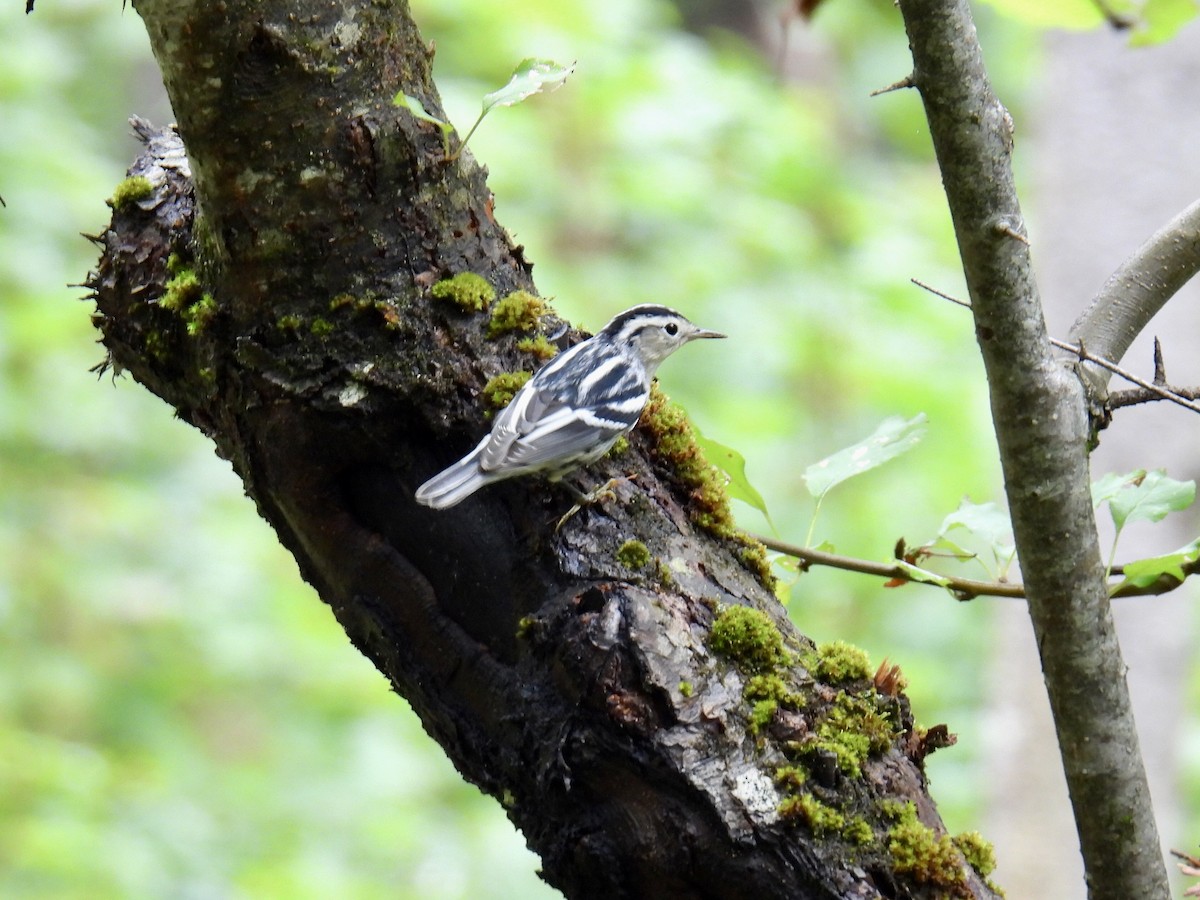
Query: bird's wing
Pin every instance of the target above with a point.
(542, 425)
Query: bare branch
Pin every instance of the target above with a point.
(1138, 290)
(1151, 390)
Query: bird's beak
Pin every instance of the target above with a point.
(705, 333)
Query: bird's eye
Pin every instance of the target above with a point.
(671, 328)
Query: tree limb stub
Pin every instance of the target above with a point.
(280, 302)
(1041, 428)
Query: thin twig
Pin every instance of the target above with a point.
(961, 588)
(905, 82)
(1082, 352)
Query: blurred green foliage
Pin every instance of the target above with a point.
(179, 714)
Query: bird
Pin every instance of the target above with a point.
(574, 408)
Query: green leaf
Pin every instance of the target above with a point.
(733, 464)
(1161, 20)
(1144, 572)
(893, 437)
(414, 106)
(916, 573)
(531, 77)
(1111, 484)
(1150, 498)
(986, 521)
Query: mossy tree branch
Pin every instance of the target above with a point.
(276, 287)
(1041, 424)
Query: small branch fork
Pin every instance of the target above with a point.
(1158, 389)
(963, 589)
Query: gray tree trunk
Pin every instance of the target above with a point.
(1113, 146)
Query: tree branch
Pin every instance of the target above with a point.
(1137, 291)
(961, 588)
(1041, 427)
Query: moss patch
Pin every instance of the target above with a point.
(500, 390)
(185, 296)
(130, 191)
(675, 444)
(466, 290)
(748, 638)
(633, 555)
(518, 311)
(619, 448)
(685, 689)
(858, 831)
(980, 854)
(837, 663)
(923, 855)
(853, 729)
(791, 778)
(540, 348)
(820, 819)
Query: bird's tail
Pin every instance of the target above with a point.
(453, 485)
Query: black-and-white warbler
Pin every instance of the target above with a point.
(573, 410)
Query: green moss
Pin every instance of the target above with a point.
(753, 555)
(539, 347)
(289, 323)
(858, 831)
(518, 311)
(748, 638)
(852, 729)
(182, 290)
(633, 555)
(321, 327)
(920, 853)
(466, 290)
(820, 819)
(761, 714)
(791, 778)
(837, 663)
(675, 444)
(662, 573)
(685, 689)
(184, 295)
(340, 301)
(200, 314)
(978, 852)
(500, 390)
(771, 687)
(130, 191)
(619, 448)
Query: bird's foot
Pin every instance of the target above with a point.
(604, 492)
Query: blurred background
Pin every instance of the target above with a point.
(180, 716)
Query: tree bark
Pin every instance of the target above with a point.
(1039, 411)
(273, 285)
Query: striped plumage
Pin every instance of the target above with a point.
(573, 410)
